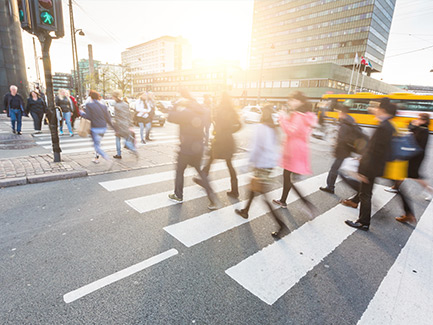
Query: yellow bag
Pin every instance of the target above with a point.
(396, 170)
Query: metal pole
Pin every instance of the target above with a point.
(45, 40)
(75, 54)
(38, 73)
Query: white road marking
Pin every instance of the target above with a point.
(76, 139)
(271, 272)
(405, 295)
(92, 287)
(216, 222)
(124, 183)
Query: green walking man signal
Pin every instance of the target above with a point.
(47, 18)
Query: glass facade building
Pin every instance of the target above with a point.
(295, 32)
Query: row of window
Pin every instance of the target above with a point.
(203, 88)
(182, 78)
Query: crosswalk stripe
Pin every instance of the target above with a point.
(119, 275)
(112, 146)
(216, 222)
(405, 295)
(78, 140)
(161, 200)
(271, 272)
(124, 183)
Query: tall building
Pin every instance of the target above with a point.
(163, 54)
(12, 64)
(294, 32)
(62, 81)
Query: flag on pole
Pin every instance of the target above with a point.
(356, 59)
(363, 61)
(369, 64)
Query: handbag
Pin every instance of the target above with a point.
(84, 128)
(404, 147)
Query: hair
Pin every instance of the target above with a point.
(425, 117)
(226, 101)
(117, 93)
(306, 106)
(387, 106)
(13, 87)
(186, 94)
(267, 119)
(94, 95)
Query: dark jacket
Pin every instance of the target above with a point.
(65, 104)
(190, 116)
(378, 151)
(7, 102)
(98, 114)
(223, 145)
(421, 134)
(343, 146)
(37, 106)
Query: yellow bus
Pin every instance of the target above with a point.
(409, 106)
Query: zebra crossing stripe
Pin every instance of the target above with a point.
(405, 295)
(124, 183)
(78, 140)
(216, 222)
(271, 272)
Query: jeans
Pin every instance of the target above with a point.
(333, 173)
(37, 119)
(97, 134)
(16, 118)
(128, 143)
(67, 117)
(144, 126)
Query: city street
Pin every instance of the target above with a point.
(110, 248)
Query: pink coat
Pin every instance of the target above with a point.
(296, 152)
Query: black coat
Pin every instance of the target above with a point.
(343, 147)
(37, 106)
(7, 99)
(223, 144)
(421, 134)
(378, 151)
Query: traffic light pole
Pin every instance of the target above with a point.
(45, 39)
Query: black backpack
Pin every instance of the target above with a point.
(358, 139)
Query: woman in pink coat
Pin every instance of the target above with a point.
(296, 153)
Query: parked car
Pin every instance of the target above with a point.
(253, 114)
(164, 105)
(159, 118)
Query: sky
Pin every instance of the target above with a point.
(221, 29)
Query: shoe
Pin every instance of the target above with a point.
(232, 194)
(357, 225)
(95, 161)
(242, 213)
(61, 132)
(213, 206)
(428, 197)
(174, 198)
(143, 142)
(281, 204)
(117, 157)
(326, 189)
(19, 133)
(149, 139)
(14, 132)
(407, 219)
(391, 189)
(349, 203)
(71, 134)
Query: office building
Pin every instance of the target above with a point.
(62, 81)
(295, 32)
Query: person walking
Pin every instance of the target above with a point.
(264, 158)
(75, 109)
(122, 124)
(297, 127)
(207, 105)
(372, 163)
(14, 108)
(64, 102)
(190, 116)
(37, 108)
(151, 105)
(97, 113)
(343, 147)
(143, 116)
(226, 122)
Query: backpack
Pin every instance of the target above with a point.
(358, 139)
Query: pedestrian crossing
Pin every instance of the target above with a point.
(271, 272)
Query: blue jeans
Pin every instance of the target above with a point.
(97, 134)
(148, 127)
(67, 117)
(16, 118)
(333, 173)
(128, 145)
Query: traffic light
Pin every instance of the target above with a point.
(48, 16)
(24, 13)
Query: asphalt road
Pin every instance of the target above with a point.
(178, 264)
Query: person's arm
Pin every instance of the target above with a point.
(256, 145)
(175, 116)
(28, 106)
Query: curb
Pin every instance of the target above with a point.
(42, 178)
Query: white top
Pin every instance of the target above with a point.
(142, 108)
(264, 151)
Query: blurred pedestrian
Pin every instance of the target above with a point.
(64, 102)
(75, 108)
(150, 104)
(372, 163)
(297, 127)
(143, 116)
(264, 158)
(343, 146)
(99, 117)
(207, 105)
(226, 122)
(14, 108)
(122, 124)
(190, 116)
(37, 108)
